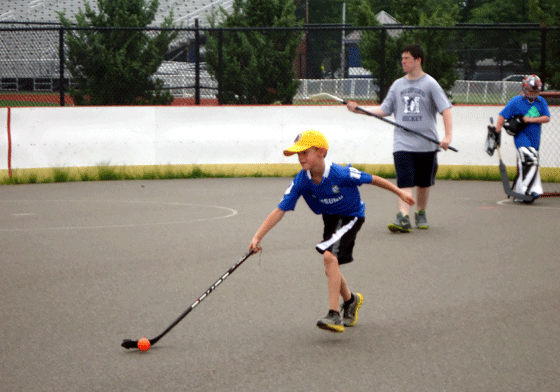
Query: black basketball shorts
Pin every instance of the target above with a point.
(339, 236)
(415, 168)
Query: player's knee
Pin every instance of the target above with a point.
(331, 263)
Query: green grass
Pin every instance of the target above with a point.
(112, 173)
(12, 104)
(61, 175)
(105, 172)
(479, 99)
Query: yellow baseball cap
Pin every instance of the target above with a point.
(307, 139)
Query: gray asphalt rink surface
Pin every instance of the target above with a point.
(472, 304)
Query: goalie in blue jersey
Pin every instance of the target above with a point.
(522, 118)
(331, 190)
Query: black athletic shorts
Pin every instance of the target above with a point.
(415, 168)
(339, 236)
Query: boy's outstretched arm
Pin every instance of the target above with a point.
(275, 216)
(383, 183)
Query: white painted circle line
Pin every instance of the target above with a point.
(231, 212)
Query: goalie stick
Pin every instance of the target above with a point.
(327, 96)
(505, 179)
(128, 343)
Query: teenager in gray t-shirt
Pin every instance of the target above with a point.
(414, 100)
(415, 104)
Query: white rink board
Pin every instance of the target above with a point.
(157, 135)
(3, 139)
(82, 136)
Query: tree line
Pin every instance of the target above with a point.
(257, 66)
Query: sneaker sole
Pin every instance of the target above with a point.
(398, 229)
(360, 302)
(423, 227)
(330, 327)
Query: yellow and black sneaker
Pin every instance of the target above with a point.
(331, 322)
(350, 310)
(401, 225)
(421, 220)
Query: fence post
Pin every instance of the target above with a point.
(220, 65)
(382, 88)
(543, 54)
(61, 64)
(197, 63)
(9, 128)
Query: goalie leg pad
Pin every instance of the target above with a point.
(528, 180)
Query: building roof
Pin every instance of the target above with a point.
(46, 11)
(385, 19)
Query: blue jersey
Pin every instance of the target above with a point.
(530, 136)
(337, 194)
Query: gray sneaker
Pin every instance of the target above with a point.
(421, 220)
(350, 312)
(401, 224)
(331, 322)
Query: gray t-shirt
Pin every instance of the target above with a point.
(415, 104)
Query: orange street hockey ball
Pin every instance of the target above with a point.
(143, 344)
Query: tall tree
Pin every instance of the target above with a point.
(518, 49)
(111, 65)
(258, 65)
(547, 14)
(324, 58)
(466, 7)
(440, 60)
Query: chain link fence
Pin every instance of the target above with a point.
(33, 68)
(29, 67)
(489, 66)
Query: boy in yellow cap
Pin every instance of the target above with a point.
(331, 190)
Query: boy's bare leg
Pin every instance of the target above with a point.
(336, 283)
(345, 292)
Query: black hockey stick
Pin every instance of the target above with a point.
(327, 96)
(505, 179)
(128, 343)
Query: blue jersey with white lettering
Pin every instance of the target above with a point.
(337, 193)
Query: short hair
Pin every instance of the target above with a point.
(416, 51)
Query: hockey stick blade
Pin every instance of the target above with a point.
(508, 190)
(327, 96)
(128, 343)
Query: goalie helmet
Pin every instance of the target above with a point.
(532, 86)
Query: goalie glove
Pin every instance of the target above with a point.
(514, 125)
(493, 140)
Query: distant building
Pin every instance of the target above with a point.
(352, 43)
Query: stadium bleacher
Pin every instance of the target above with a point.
(31, 56)
(46, 11)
